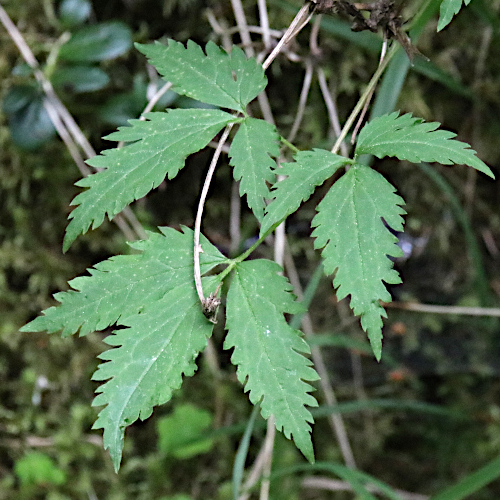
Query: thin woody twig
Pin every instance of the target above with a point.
(369, 98)
(323, 483)
(331, 108)
(428, 308)
(264, 22)
(299, 21)
(306, 86)
(241, 21)
(267, 452)
(359, 106)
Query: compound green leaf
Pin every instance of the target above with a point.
(159, 148)
(310, 169)
(251, 150)
(267, 351)
(125, 284)
(149, 360)
(448, 9)
(225, 80)
(357, 245)
(414, 140)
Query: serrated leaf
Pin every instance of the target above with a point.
(159, 148)
(124, 285)
(151, 356)
(268, 351)
(251, 150)
(412, 139)
(225, 80)
(357, 245)
(447, 10)
(310, 169)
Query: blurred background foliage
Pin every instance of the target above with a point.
(425, 417)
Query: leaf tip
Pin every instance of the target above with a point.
(28, 328)
(307, 449)
(116, 462)
(68, 241)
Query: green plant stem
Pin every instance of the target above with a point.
(241, 455)
(199, 214)
(364, 97)
(309, 293)
(289, 145)
(244, 255)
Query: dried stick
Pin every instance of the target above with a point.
(331, 108)
(323, 483)
(299, 21)
(493, 312)
(242, 24)
(369, 98)
(304, 93)
(264, 22)
(366, 94)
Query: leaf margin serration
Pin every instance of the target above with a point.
(251, 154)
(332, 235)
(410, 138)
(447, 10)
(288, 194)
(278, 299)
(78, 310)
(110, 189)
(179, 307)
(241, 79)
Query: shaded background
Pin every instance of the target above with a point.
(425, 417)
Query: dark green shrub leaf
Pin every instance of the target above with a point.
(310, 169)
(74, 12)
(100, 42)
(78, 79)
(125, 284)
(412, 139)
(159, 147)
(29, 123)
(447, 10)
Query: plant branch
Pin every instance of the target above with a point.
(364, 97)
(299, 21)
(332, 108)
(264, 22)
(241, 21)
(323, 483)
(304, 93)
(493, 312)
(199, 214)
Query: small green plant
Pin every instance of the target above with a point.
(38, 469)
(165, 297)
